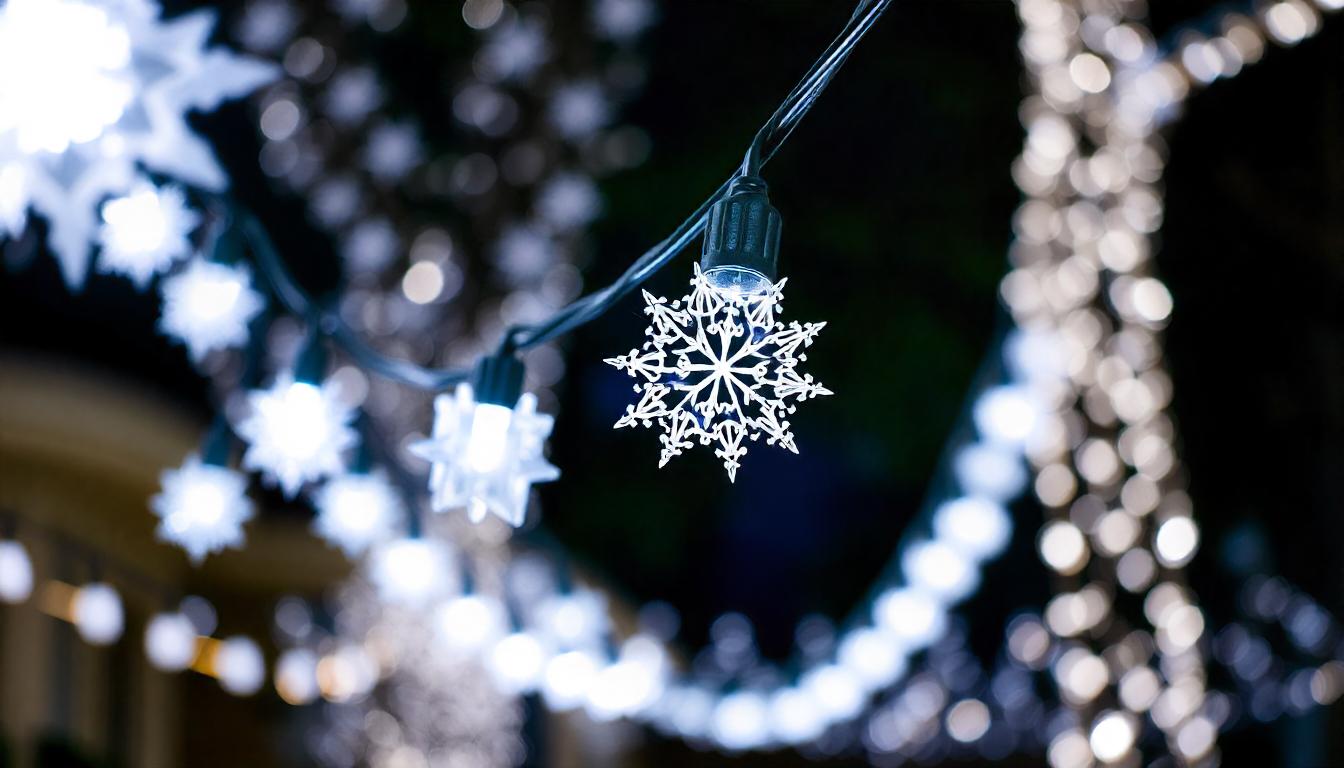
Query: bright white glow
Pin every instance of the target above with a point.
(98, 614)
(62, 73)
(875, 657)
(489, 441)
(837, 691)
(517, 663)
(574, 619)
(469, 623)
(16, 572)
(626, 687)
(170, 642)
(240, 666)
(1063, 547)
(795, 717)
(1006, 414)
(913, 616)
(509, 449)
(579, 109)
(145, 231)
(1112, 736)
(978, 528)
(567, 680)
(741, 721)
(569, 201)
(738, 282)
(346, 674)
(967, 720)
(939, 570)
(202, 508)
(1176, 541)
(409, 572)
(992, 471)
(296, 432)
(356, 511)
(208, 306)
(296, 676)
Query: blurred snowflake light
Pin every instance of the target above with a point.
(208, 306)
(355, 511)
(296, 432)
(202, 508)
(145, 231)
(90, 93)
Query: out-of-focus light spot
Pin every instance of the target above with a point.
(423, 282)
(967, 720)
(1089, 73)
(1063, 547)
(1176, 541)
(1112, 736)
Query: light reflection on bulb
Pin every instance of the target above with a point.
(738, 281)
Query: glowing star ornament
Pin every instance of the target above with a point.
(90, 92)
(208, 306)
(145, 231)
(356, 511)
(202, 508)
(485, 452)
(296, 432)
(718, 368)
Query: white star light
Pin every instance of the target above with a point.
(145, 231)
(485, 456)
(91, 92)
(296, 432)
(356, 511)
(202, 508)
(208, 306)
(718, 368)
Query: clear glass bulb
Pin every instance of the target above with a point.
(489, 439)
(737, 281)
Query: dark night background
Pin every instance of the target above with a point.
(897, 201)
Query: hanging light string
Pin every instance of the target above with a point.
(764, 146)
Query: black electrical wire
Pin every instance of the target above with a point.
(764, 146)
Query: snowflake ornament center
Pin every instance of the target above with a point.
(719, 368)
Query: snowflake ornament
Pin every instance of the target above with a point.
(718, 368)
(296, 432)
(485, 456)
(92, 91)
(202, 508)
(208, 306)
(144, 232)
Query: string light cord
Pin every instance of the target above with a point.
(764, 146)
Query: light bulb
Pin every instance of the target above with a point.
(202, 507)
(489, 441)
(16, 572)
(98, 614)
(240, 666)
(296, 431)
(517, 662)
(738, 281)
(409, 571)
(356, 511)
(296, 676)
(468, 623)
(170, 642)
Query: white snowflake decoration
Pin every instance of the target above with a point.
(208, 306)
(718, 368)
(202, 508)
(145, 232)
(296, 432)
(356, 511)
(503, 489)
(89, 93)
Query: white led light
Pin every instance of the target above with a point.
(145, 231)
(914, 617)
(296, 432)
(170, 642)
(1176, 541)
(486, 457)
(470, 623)
(356, 511)
(567, 679)
(240, 666)
(16, 572)
(98, 614)
(517, 662)
(574, 619)
(741, 721)
(795, 717)
(940, 570)
(978, 528)
(296, 676)
(836, 690)
(410, 572)
(992, 471)
(1006, 415)
(1112, 736)
(208, 306)
(875, 657)
(202, 508)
